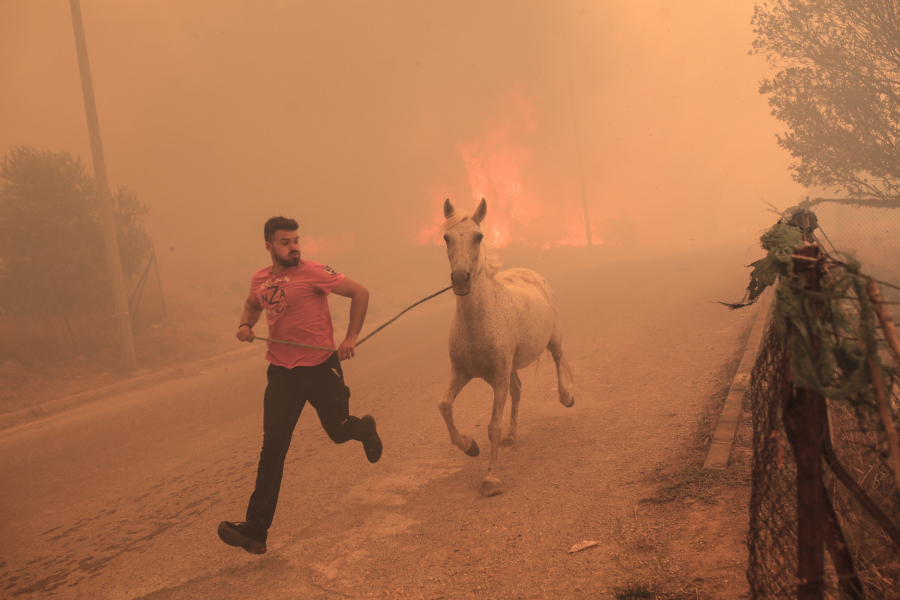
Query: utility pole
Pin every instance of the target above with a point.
(120, 302)
(587, 217)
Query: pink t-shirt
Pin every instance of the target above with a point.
(296, 305)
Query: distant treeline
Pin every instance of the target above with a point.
(55, 295)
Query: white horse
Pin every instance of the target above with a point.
(504, 321)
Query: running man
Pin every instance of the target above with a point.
(294, 294)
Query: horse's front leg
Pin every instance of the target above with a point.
(458, 381)
(491, 484)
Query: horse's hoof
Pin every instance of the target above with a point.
(491, 487)
(507, 442)
(568, 402)
(473, 449)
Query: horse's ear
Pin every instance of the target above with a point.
(480, 212)
(448, 209)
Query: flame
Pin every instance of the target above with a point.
(495, 163)
(325, 246)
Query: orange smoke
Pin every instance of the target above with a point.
(574, 219)
(430, 234)
(324, 247)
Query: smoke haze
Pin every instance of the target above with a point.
(359, 118)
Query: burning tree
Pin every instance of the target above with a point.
(838, 91)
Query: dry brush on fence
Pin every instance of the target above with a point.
(825, 503)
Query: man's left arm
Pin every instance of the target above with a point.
(359, 303)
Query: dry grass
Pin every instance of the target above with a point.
(695, 483)
(875, 555)
(656, 551)
(690, 480)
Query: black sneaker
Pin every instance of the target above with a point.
(371, 442)
(243, 535)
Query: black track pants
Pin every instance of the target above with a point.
(286, 395)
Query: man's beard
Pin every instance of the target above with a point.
(288, 262)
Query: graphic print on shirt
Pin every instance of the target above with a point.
(274, 298)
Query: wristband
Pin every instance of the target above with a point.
(247, 324)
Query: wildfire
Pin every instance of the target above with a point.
(495, 163)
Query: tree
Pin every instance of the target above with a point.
(52, 253)
(838, 91)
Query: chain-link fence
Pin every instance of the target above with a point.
(825, 505)
(871, 234)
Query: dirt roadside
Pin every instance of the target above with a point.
(624, 471)
(653, 357)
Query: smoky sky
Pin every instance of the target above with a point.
(356, 117)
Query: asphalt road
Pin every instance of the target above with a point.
(120, 498)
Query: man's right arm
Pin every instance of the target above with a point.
(252, 311)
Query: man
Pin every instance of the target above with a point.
(294, 294)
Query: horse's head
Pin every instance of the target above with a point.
(463, 236)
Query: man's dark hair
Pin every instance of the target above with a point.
(278, 224)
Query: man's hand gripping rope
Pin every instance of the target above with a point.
(245, 332)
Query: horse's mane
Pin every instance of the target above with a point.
(487, 255)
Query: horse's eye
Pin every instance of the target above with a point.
(479, 237)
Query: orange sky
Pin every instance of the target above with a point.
(356, 117)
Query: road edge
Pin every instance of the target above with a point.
(719, 453)
(52, 407)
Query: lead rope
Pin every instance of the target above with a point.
(365, 338)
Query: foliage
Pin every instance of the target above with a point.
(830, 347)
(837, 368)
(780, 242)
(838, 90)
(825, 338)
(52, 252)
